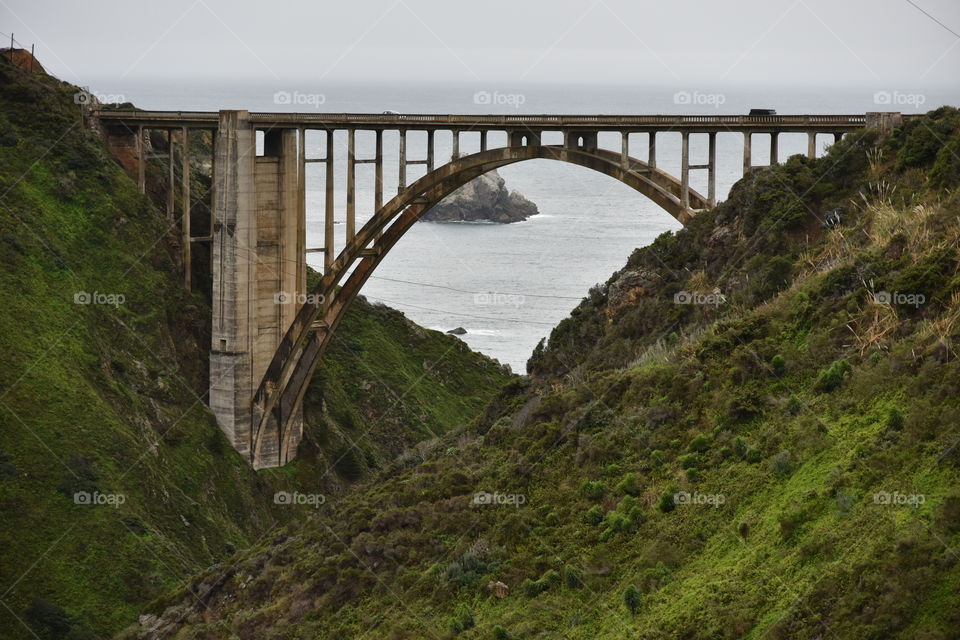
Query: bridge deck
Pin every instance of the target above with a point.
(461, 122)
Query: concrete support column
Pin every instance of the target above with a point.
(185, 197)
(430, 150)
(747, 146)
(483, 141)
(712, 170)
(171, 176)
(774, 148)
(378, 172)
(328, 243)
(625, 150)
(811, 144)
(234, 278)
(403, 161)
(258, 275)
(456, 145)
(837, 136)
(685, 169)
(652, 150)
(351, 185)
(141, 161)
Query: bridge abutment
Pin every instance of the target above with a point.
(259, 275)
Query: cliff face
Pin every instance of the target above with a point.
(484, 199)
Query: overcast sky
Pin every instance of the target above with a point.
(880, 43)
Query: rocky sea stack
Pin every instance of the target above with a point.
(484, 199)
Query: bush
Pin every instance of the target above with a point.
(832, 377)
(688, 461)
(593, 490)
(533, 588)
(631, 598)
(572, 577)
(740, 447)
(629, 485)
(499, 633)
(778, 364)
(465, 617)
(594, 514)
(793, 406)
(790, 523)
(699, 444)
(894, 420)
(666, 503)
(780, 464)
(552, 519)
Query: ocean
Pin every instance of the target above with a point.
(508, 285)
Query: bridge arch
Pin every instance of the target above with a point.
(279, 396)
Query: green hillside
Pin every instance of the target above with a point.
(105, 400)
(751, 431)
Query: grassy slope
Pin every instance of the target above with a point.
(797, 400)
(103, 398)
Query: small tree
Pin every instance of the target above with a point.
(631, 598)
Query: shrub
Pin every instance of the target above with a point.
(465, 617)
(688, 461)
(629, 485)
(572, 577)
(593, 490)
(794, 405)
(666, 503)
(499, 633)
(552, 519)
(631, 598)
(780, 464)
(594, 514)
(699, 444)
(894, 420)
(533, 588)
(778, 364)
(753, 455)
(790, 523)
(740, 446)
(832, 377)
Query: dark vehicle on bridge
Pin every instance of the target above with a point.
(762, 112)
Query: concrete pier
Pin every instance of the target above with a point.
(259, 271)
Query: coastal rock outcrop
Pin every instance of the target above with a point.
(483, 199)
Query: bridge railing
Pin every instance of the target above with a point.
(541, 121)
